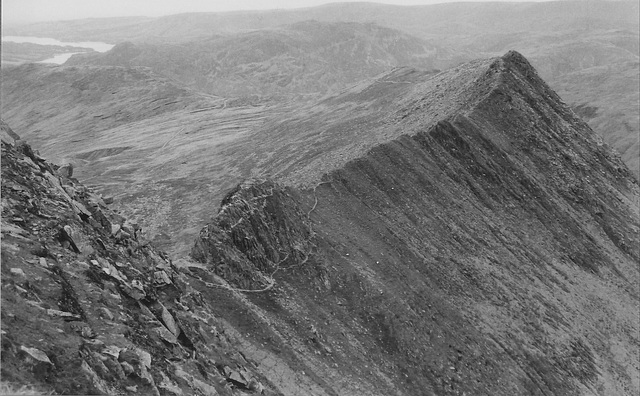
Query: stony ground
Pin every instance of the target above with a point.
(89, 307)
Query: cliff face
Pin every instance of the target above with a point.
(492, 251)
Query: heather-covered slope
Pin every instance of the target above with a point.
(491, 252)
(62, 107)
(160, 150)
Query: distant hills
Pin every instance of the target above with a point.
(452, 20)
(304, 58)
(85, 101)
(266, 55)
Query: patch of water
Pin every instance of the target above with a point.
(59, 58)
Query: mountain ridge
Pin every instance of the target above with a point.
(475, 238)
(435, 243)
(299, 143)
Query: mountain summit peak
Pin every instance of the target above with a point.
(516, 58)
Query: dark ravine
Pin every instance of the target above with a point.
(489, 248)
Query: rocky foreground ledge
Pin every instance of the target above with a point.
(89, 307)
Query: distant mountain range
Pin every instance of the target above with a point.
(304, 58)
(587, 50)
(472, 21)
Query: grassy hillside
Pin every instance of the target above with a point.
(83, 102)
(163, 151)
(609, 102)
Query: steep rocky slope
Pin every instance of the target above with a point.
(90, 307)
(594, 69)
(488, 250)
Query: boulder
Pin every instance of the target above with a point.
(161, 278)
(170, 322)
(105, 313)
(36, 354)
(65, 170)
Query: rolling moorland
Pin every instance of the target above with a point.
(475, 237)
(382, 213)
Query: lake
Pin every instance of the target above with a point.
(60, 58)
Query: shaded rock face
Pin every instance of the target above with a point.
(260, 230)
(492, 252)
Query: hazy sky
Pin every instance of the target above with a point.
(19, 11)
